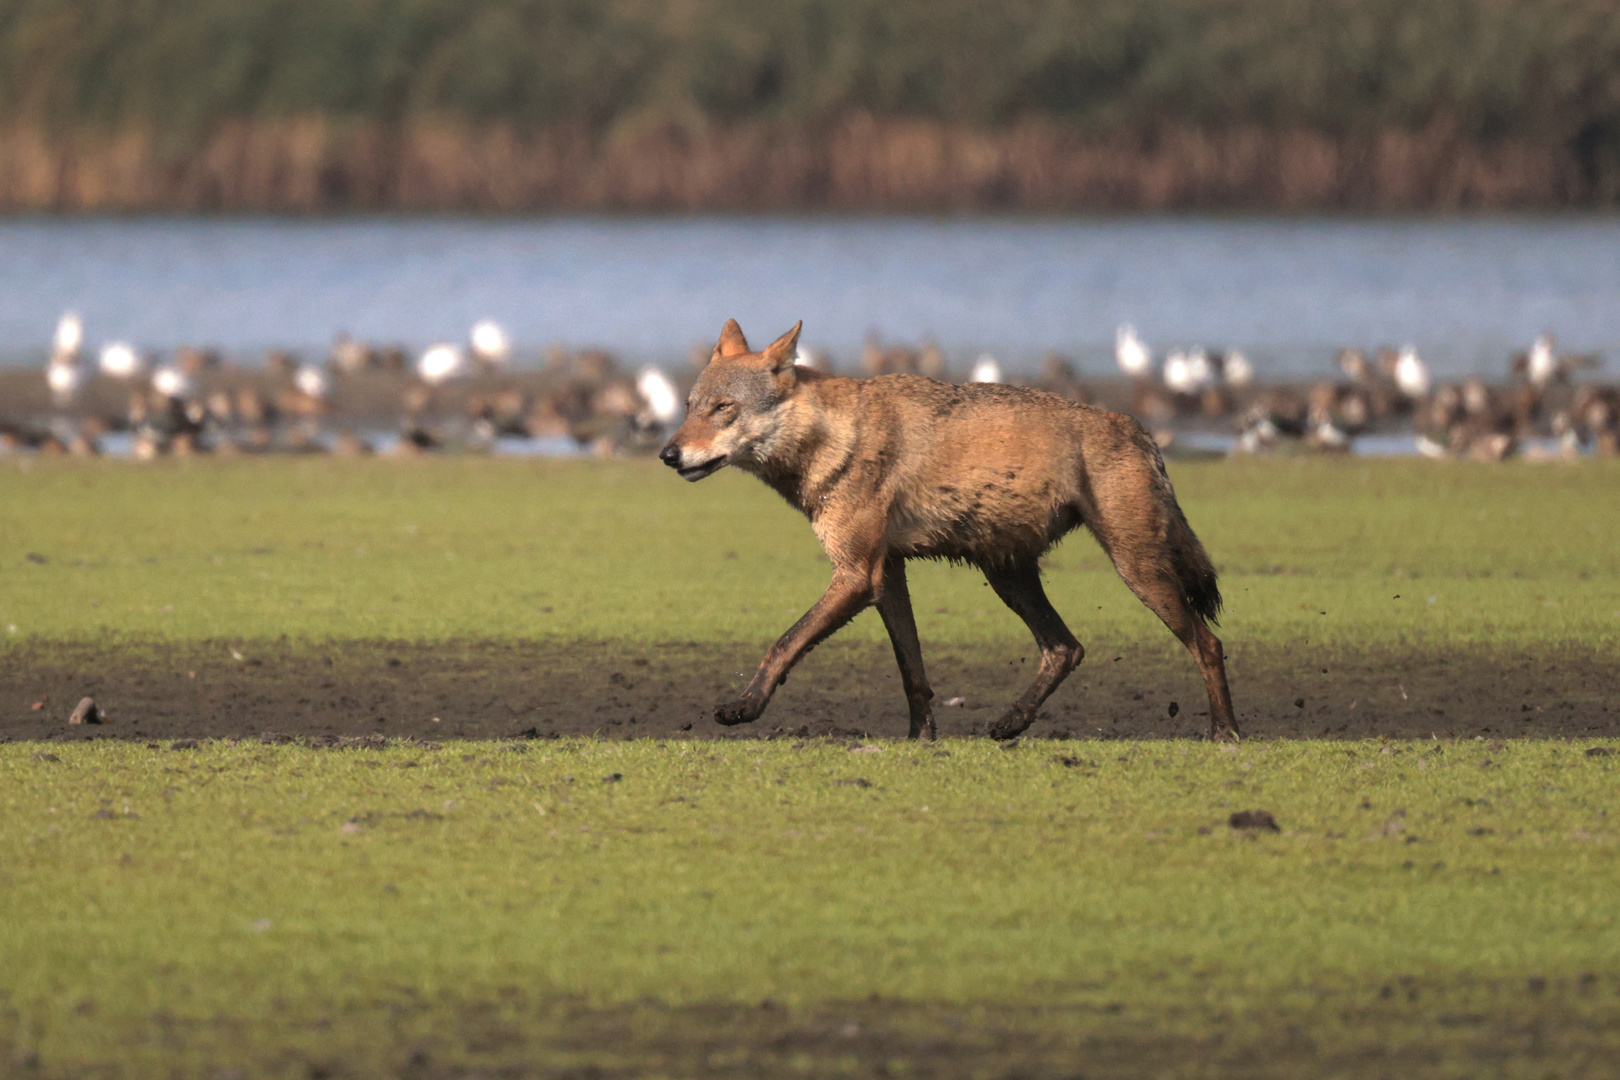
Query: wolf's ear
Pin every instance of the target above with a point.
(780, 353)
(732, 342)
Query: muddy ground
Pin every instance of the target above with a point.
(1540, 1028)
(472, 689)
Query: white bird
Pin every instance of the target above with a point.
(69, 337)
(1187, 372)
(441, 363)
(1133, 356)
(1411, 376)
(120, 360)
(1239, 372)
(312, 381)
(490, 342)
(986, 369)
(1175, 371)
(63, 376)
(1543, 363)
(656, 389)
(1199, 369)
(171, 382)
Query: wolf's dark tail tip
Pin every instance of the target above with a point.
(1196, 574)
(1203, 594)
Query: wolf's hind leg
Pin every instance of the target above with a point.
(894, 604)
(1164, 597)
(1020, 589)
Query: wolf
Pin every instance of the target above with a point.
(902, 467)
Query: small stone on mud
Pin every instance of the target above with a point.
(1175, 707)
(86, 713)
(686, 726)
(1299, 703)
(41, 703)
(1253, 819)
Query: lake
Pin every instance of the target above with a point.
(1290, 292)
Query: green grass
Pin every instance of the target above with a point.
(490, 908)
(268, 907)
(1309, 552)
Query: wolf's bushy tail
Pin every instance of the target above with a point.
(1189, 562)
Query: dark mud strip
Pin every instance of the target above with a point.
(1406, 1028)
(475, 689)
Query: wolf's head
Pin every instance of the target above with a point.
(733, 407)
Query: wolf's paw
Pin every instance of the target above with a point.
(741, 711)
(1013, 722)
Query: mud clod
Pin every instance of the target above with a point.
(1175, 707)
(1254, 819)
(87, 712)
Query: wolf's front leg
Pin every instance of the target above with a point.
(848, 595)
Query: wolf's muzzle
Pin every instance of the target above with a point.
(670, 455)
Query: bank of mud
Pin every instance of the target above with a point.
(489, 690)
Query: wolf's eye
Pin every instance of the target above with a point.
(723, 409)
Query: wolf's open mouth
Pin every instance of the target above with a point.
(698, 472)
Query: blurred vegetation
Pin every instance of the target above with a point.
(1547, 71)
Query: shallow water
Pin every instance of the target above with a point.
(1467, 292)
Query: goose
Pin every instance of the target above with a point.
(440, 363)
(1411, 375)
(120, 360)
(986, 369)
(490, 343)
(1133, 357)
(663, 400)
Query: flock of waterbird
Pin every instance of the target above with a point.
(469, 395)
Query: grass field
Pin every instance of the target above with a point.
(837, 907)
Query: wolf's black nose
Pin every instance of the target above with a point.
(670, 455)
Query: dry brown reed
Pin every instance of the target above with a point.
(315, 165)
